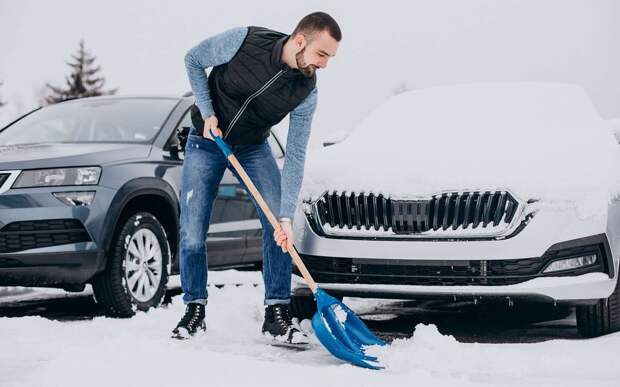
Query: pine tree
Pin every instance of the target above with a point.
(83, 80)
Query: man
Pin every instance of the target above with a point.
(258, 76)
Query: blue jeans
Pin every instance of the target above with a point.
(202, 173)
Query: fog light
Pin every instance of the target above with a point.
(571, 263)
(77, 198)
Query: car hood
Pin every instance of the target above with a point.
(50, 155)
(540, 141)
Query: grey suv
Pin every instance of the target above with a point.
(89, 193)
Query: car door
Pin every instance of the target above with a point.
(226, 235)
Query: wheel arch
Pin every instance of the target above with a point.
(144, 194)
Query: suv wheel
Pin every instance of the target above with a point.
(137, 270)
(601, 318)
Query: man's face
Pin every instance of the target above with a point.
(314, 51)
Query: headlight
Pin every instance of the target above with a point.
(58, 176)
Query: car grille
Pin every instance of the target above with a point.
(475, 212)
(442, 272)
(24, 235)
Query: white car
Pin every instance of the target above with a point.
(498, 190)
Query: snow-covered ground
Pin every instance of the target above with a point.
(138, 352)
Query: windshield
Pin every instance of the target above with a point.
(135, 120)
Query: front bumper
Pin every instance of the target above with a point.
(51, 266)
(515, 278)
(45, 242)
(584, 289)
(460, 269)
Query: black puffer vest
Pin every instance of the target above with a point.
(254, 91)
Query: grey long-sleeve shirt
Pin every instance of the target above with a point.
(221, 48)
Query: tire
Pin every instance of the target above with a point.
(601, 318)
(134, 278)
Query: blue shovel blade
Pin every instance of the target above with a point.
(342, 333)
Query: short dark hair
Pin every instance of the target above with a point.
(317, 22)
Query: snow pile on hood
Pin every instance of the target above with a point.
(541, 141)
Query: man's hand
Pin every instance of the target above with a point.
(211, 123)
(284, 235)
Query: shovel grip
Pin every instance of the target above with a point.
(221, 143)
(263, 205)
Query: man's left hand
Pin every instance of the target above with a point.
(284, 235)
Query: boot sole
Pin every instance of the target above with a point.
(271, 340)
(182, 337)
(188, 336)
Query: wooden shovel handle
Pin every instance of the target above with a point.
(272, 219)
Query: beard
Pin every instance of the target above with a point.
(307, 70)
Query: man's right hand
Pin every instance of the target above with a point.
(211, 123)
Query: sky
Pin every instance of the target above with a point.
(387, 46)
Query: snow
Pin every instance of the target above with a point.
(553, 363)
(138, 351)
(538, 140)
(137, 221)
(615, 127)
(10, 294)
(340, 313)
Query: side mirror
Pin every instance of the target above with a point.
(182, 133)
(335, 138)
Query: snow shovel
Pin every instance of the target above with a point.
(335, 325)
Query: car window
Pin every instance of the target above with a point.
(91, 120)
(187, 120)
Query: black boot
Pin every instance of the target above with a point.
(280, 328)
(192, 322)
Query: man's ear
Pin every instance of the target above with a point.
(300, 40)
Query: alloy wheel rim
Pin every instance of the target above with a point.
(143, 265)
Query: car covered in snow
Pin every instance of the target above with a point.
(469, 192)
(89, 193)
